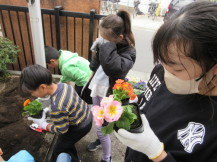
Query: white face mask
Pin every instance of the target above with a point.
(179, 86)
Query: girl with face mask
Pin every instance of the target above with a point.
(179, 106)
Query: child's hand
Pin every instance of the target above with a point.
(46, 110)
(98, 42)
(42, 123)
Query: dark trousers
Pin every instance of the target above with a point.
(78, 89)
(66, 142)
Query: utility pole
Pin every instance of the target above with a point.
(37, 31)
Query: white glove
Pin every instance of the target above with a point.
(97, 43)
(46, 110)
(146, 142)
(42, 123)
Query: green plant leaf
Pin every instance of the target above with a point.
(123, 122)
(128, 108)
(107, 129)
(128, 113)
(130, 116)
(8, 54)
(33, 108)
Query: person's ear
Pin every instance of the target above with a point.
(52, 61)
(121, 37)
(43, 86)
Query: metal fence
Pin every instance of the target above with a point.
(67, 30)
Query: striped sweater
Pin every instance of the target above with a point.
(67, 108)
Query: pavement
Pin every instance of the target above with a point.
(117, 148)
(145, 22)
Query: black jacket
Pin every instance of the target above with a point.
(186, 124)
(115, 59)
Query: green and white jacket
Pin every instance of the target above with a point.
(73, 68)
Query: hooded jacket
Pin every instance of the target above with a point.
(115, 59)
(73, 68)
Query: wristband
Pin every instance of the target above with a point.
(162, 148)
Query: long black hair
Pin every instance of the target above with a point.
(119, 24)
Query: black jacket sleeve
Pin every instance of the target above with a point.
(95, 63)
(169, 158)
(116, 63)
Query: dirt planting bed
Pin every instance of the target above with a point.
(15, 134)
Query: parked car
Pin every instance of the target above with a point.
(174, 6)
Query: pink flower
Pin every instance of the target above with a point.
(98, 114)
(113, 111)
(99, 122)
(106, 100)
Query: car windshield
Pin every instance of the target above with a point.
(181, 3)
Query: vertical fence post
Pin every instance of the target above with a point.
(91, 31)
(37, 31)
(57, 25)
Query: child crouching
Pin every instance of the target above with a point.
(71, 116)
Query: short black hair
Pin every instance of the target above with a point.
(33, 76)
(51, 53)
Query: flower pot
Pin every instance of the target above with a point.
(39, 116)
(125, 102)
(137, 126)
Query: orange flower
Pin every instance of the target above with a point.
(119, 81)
(132, 97)
(125, 84)
(130, 93)
(26, 102)
(125, 88)
(117, 86)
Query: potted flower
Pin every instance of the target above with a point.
(137, 84)
(116, 112)
(32, 108)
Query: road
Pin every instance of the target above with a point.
(144, 57)
(144, 30)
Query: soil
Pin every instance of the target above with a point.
(15, 133)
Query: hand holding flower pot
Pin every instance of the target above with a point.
(116, 112)
(146, 141)
(42, 123)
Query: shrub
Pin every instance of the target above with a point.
(8, 55)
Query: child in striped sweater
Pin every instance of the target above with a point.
(71, 116)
